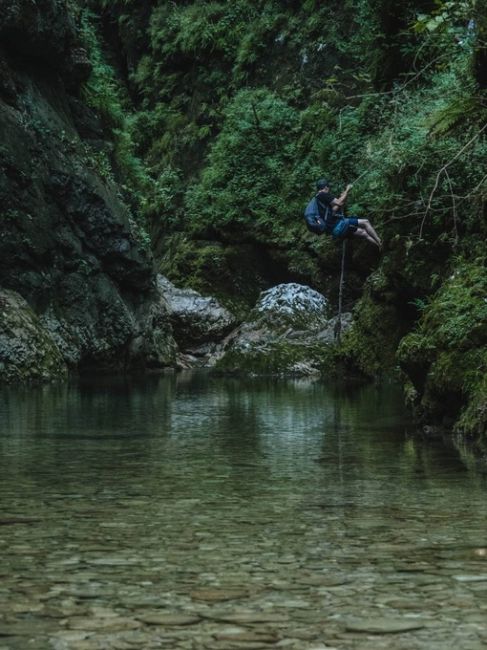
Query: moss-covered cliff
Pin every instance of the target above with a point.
(213, 119)
(69, 244)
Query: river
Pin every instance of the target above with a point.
(202, 512)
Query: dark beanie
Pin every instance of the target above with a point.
(322, 183)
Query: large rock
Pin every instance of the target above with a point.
(291, 305)
(27, 352)
(288, 332)
(69, 245)
(44, 34)
(153, 345)
(196, 319)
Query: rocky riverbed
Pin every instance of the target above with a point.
(223, 514)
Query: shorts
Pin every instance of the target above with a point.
(345, 228)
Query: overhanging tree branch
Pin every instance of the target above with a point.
(442, 171)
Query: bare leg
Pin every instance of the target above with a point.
(365, 223)
(361, 232)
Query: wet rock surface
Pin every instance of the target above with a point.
(68, 245)
(292, 305)
(287, 332)
(196, 319)
(27, 351)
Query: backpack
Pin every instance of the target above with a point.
(314, 221)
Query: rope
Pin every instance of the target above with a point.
(338, 325)
(364, 173)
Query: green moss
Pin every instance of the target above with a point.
(371, 343)
(235, 273)
(27, 351)
(104, 93)
(281, 358)
(276, 359)
(446, 357)
(473, 419)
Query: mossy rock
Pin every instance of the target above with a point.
(371, 343)
(233, 273)
(288, 333)
(27, 352)
(445, 358)
(280, 358)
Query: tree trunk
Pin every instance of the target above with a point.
(480, 54)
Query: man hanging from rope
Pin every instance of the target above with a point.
(324, 214)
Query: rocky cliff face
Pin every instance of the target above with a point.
(67, 241)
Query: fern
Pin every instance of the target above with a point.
(458, 111)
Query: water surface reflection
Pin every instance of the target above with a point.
(191, 511)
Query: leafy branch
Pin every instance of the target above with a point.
(444, 170)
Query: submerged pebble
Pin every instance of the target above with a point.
(222, 532)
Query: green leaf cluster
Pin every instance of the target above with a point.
(250, 184)
(445, 358)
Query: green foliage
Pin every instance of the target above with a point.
(238, 107)
(406, 156)
(449, 19)
(458, 313)
(250, 184)
(99, 162)
(198, 29)
(446, 356)
(459, 110)
(104, 93)
(189, 77)
(370, 345)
